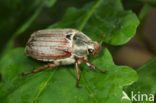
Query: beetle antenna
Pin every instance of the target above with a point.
(100, 41)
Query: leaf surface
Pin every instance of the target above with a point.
(59, 84)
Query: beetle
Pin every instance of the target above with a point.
(61, 47)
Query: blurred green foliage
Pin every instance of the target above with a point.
(115, 19)
(14, 14)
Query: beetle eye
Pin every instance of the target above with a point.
(90, 50)
(69, 36)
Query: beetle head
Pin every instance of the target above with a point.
(94, 47)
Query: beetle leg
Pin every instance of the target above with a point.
(40, 68)
(92, 66)
(77, 71)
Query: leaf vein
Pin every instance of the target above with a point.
(89, 14)
(43, 86)
(88, 88)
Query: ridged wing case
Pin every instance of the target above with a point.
(50, 44)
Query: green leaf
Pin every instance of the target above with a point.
(57, 85)
(102, 17)
(146, 83)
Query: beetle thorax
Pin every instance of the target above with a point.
(81, 43)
